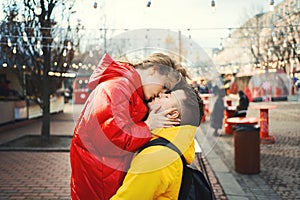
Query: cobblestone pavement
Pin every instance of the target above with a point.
(281, 161)
(34, 175)
(45, 175)
(279, 175)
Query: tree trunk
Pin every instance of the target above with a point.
(46, 95)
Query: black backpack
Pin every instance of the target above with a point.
(194, 185)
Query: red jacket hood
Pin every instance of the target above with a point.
(108, 68)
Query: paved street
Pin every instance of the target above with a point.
(45, 175)
(279, 175)
(37, 175)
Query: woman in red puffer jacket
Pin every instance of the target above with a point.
(114, 123)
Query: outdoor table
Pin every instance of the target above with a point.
(228, 113)
(265, 138)
(240, 121)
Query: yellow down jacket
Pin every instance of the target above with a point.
(156, 172)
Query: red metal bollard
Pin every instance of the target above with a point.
(206, 106)
(229, 112)
(265, 138)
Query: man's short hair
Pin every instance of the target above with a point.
(190, 104)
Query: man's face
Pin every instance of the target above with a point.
(165, 101)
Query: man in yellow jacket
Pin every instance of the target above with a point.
(156, 172)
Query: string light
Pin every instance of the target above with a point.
(14, 50)
(213, 6)
(272, 5)
(69, 46)
(95, 5)
(9, 42)
(221, 44)
(38, 44)
(149, 3)
(229, 34)
(38, 9)
(64, 53)
(25, 38)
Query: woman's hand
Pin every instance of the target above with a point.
(160, 119)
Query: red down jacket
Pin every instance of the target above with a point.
(108, 131)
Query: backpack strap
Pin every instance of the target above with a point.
(163, 142)
(186, 178)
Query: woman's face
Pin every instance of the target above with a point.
(154, 84)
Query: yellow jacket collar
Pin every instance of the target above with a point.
(182, 137)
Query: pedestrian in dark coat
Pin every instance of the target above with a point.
(241, 109)
(217, 115)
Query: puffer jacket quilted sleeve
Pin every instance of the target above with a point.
(108, 131)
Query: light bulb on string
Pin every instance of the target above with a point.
(69, 46)
(55, 39)
(221, 44)
(149, 3)
(38, 9)
(229, 35)
(25, 38)
(14, 50)
(38, 44)
(9, 44)
(64, 53)
(213, 6)
(189, 30)
(272, 5)
(95, 5)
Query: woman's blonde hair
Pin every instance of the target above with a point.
(164, 64)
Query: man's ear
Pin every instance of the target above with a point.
(174, 114)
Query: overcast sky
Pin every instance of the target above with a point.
(206, 27)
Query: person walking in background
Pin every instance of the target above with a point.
(203, 88)
(156, 171)
(242, 107)
(217, 114)
(114, 123)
